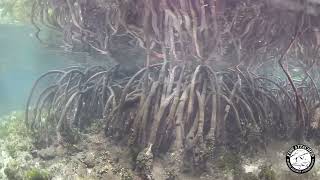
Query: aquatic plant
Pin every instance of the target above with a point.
(11, 149)
(37, 174)
(12, 124)
(171, 110)
(211, 87)
(13, 171)
(14, 133)
(12, 174)
(210, 31)
(75, 97)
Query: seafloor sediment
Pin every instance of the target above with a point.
(96, 157)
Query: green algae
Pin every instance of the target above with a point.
(12, 170)
(15, 171)
(12, 124)
(37, 174)
(14, 133)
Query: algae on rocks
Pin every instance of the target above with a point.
(37, 174)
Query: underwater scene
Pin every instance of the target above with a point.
(159, 90)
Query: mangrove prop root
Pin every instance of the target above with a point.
(186, 114)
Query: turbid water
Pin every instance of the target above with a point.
(22, 60)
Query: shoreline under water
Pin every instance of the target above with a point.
(96, 157)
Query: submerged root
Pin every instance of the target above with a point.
(76, 97)
(164, 108)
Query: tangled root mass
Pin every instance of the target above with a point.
(168, 107)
